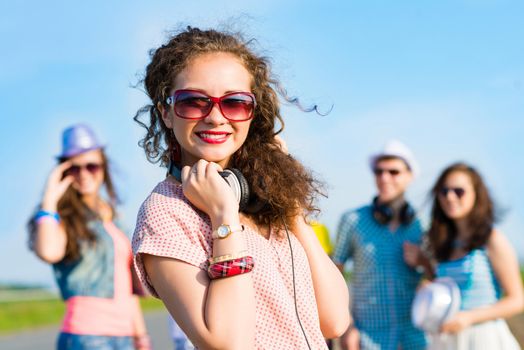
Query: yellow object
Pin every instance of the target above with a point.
(323, 236)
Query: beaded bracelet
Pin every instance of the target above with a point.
(226, 257)
(231, 267)
(44, 214)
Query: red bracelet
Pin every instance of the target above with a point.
(231, 267)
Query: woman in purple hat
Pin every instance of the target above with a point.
(479, 258)
(76, 231)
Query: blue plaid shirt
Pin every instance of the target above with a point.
(382, 286)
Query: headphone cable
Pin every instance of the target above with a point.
(294, 287)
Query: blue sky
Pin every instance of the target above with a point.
(445, 77)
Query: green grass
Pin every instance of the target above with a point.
(151, 304)
(20, 315)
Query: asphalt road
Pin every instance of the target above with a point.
(45, 338)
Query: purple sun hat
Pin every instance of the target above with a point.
(78, 139)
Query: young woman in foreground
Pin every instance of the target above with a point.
(251, 279)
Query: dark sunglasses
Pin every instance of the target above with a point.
(193, 104)
(459, 191)
(76, 169)
(380, 171)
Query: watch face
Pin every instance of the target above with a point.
(223, 231)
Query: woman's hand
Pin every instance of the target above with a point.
(460, 321)
(207, 190)
(56, 186)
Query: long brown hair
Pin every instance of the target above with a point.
(75, 215)
(443, 231)
(275, 177)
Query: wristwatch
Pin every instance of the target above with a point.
(224, 231)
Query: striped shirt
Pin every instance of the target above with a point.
(474, 277)
(382, 285)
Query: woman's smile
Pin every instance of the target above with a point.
(213, 137)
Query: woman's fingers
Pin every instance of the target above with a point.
(66, 182)
(61, 168)
(184, 173)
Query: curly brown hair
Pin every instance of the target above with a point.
(443, 232)
(274, 177)
(75, 215)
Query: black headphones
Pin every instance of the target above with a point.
(247, 202)
(383, 213)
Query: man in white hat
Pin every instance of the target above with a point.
(382, 239)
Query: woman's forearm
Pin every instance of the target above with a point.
(504, 308)
(50, 241)
(331, 291)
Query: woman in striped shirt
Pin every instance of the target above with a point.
(478, 257)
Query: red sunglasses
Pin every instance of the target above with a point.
(195, 105)
(75, 170)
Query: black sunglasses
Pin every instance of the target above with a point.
(380, 171)
(459, 191)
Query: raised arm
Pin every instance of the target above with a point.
(50, 238)
(330, 288)
(218, 313)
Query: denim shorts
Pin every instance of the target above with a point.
(68, 341)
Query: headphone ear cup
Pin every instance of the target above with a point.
(381, 213)
(407, 214)
(239, 184)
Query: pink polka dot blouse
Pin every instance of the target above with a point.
(169, 226)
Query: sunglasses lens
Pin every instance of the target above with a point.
(76, 169)
(93, 167)
(459, 192)
(392, 172)
(73, 170)
(237, 106)
(192, 105)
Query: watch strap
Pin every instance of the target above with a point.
(230, 229)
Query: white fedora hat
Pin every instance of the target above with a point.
(435, 303)
(395, 148)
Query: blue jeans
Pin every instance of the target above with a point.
(68, 341)
(183, 344)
